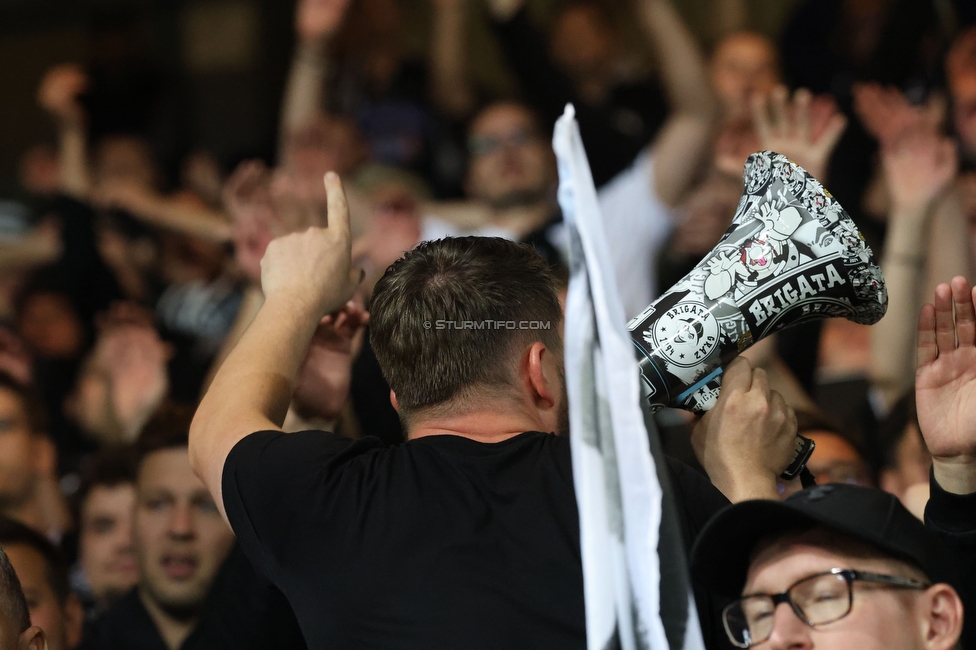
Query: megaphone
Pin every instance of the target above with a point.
(791, 255)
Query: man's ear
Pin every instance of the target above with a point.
(32, 639)
(393, 401)
(540, 376)
(941, 617)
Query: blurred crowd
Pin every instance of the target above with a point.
(122, 288)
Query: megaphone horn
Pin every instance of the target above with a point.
(792, 254)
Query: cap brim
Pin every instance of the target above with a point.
(720, 556)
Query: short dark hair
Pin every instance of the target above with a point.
(476, 280)
(12, 595)
(55, 567)
(169, 428)
(33, 407)
(534, 116)
(108, 468)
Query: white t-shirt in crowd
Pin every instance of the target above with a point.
(636, 224)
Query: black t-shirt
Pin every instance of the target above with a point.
(441, 542)
(953, 518)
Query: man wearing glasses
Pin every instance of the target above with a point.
(842, 566)
(852, 566)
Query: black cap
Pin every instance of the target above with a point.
(721, 555)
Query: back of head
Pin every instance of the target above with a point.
(451, 317)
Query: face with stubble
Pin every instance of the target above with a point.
(180, 538)
(511, 164)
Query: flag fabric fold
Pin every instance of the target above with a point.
(618, 491)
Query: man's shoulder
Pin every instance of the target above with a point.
(310, 444)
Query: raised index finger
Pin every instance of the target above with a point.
(338, 219)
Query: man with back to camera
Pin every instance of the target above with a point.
(16, 631)
(846, 567)
(467, 535)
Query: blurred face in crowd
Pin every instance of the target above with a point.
(49, 324)
(39, 170)
(391, 226)
(105, 544)
(961, 78)
(181, 539)
(743, 66)
(186, 259)
(880, 618)
(18, 452)
(61, 621)
(511, 164)
(327, 143)
(124, 159)
(835, 460)
(582, 42)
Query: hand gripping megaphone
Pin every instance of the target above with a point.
(791, 255)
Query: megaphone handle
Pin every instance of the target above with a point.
(709, 384)
(801, 454)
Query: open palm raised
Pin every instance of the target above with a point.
(945, 381)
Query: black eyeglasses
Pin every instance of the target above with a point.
(816, 600)
(483, 145)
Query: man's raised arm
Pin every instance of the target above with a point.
(683, 144)
(945, 392)
(305, 276)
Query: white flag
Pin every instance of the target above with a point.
(618, 491)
